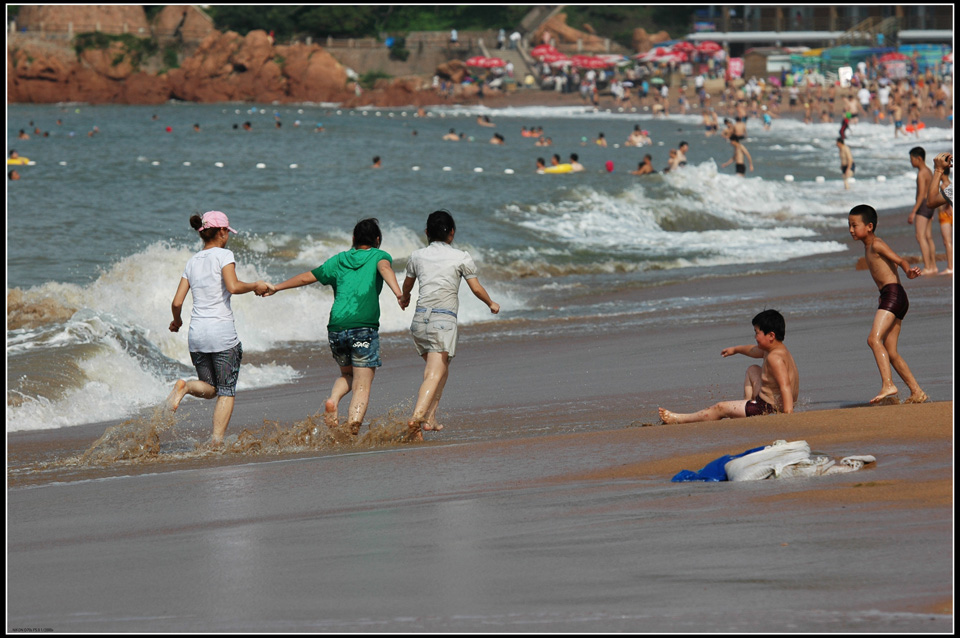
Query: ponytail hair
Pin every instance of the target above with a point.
(439, 225)
(196, 222)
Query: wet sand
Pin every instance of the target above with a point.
(546, 504)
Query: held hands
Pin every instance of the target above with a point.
(175, 325)
(403, 300)
(264, 289)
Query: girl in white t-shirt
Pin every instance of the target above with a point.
(215, 348)
(439, 267)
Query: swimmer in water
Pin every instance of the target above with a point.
(645, 167)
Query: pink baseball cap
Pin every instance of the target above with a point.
(216, 219)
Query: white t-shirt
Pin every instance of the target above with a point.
(439, 268)
(883, 94)
(211, 320)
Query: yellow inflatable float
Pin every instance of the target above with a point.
(559, 168)
(17, 160)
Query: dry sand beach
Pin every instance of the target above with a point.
(544, 506)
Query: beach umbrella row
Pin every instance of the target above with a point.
(678, 51)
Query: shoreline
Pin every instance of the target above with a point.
(557, 354)
(546, 502)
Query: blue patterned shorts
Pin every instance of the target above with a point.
(358, 347)
(219, 369)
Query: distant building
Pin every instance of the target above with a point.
(744, 26)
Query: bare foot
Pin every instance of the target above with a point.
(917, 397)
(431, 426)
(885, 394)
(330, 414)
(948, 271)
(176, 395)
(416, 430)
(354, 428)
(667, 416)
(928, 272)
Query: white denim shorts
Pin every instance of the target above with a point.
(434, 330)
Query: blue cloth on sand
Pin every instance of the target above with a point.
(712, 471)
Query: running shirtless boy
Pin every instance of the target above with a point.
(772, 388)
(888, 319)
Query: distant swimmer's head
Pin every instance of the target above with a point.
(574, 157)
(440, 226)
(367, 233)
(13, 175)
(771, 321)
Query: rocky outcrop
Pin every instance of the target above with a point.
(561, 32)
(225, 67)
(643, 41)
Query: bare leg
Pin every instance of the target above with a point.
(340, 388)
(722, 410)
(195, 388)
(946, 230)
(883, 324)
(890, 343)
(434, 378)
(751, 383)
(221, 418)
(927, 249)
(362, 384)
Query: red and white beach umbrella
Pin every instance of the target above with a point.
(490, 63)
(708, 46)
(543, 50)
(684, 46)
(550, 58)
(477, 60)
(589, 62)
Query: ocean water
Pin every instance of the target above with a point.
(98, 232)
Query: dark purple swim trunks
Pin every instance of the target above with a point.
(894, 298)
(758, 407)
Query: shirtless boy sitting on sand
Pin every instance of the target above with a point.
(772, 388)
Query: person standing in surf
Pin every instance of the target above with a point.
(357, 277)
(215, 348)
(439, 267)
